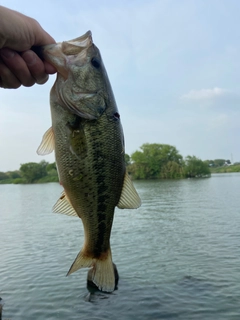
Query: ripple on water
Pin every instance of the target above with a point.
(178, 256)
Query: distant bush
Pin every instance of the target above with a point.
(163, 161)
(172, 170)
(3, 176)
(19, 181)
(6, 181)
(48, 179)
(196, 168)
(234, 168)
(14, 174)
(156, 161)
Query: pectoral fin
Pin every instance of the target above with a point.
(64, 206)
(129, 198)
(47, 144)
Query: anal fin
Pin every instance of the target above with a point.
(64, 206)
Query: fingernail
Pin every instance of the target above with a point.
(7, 53)
(44, 80)
(29, 57)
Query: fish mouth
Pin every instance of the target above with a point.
(77, 45)
(61, 54)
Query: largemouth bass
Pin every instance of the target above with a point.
(87, 138)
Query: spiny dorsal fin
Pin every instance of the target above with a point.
(64, 206)
(47, 144)
(129, 198)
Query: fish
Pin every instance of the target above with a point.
(87, 138)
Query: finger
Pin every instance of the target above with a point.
(35, 66)
(49, 68)
(17, 66)
(7, 78)
(43, 38)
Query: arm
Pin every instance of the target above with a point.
(19, 65)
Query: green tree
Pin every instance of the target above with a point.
(52, 174)
(3, 176)
(172, 170)
(219, 162)
(194, 167)
(127, 159)
(149, 162)
(51, 166)
(33, 171)
(14, 174)
(210, 163)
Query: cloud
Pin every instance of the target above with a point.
(205, 94)
(218, 99)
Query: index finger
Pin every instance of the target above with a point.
(41, 36)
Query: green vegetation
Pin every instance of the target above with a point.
(31, 172)
(10, 177)
(195, 167)
(152, 161)
(222, 166)
(218, 163)
(225, 169)
(163, 161)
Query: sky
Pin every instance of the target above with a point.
(174, 66)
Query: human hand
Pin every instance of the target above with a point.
(19, 65)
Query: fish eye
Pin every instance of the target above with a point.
(96, 63)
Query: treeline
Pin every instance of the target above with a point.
(218, 163)
(152, 161)
(223, 166)
(31, 172)
(224, 169)
(163, 161)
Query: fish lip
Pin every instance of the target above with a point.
(85, 36)
(61, 54)
(52, 53)
(75, 46)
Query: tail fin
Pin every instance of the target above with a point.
(102, 272)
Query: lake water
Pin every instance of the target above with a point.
(178, 256)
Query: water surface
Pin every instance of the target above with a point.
(178, 255)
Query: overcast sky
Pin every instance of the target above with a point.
(174, 66)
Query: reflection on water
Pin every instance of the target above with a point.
(178, 256)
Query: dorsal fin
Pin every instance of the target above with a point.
(129, 198)
(64, 206)
(47, 143)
